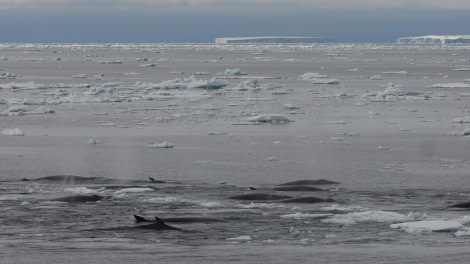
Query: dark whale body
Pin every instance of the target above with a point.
(309, 182)
(259, 197)
(297, 188)
(140, 219)
(79, 198)
(158, 224)
(306, 200)
(64, 178)
(465, 205)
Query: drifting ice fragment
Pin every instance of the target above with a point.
(269, 118)
(13, 132)
(419, 227)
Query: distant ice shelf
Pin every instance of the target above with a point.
(273, 40)
(435, 39)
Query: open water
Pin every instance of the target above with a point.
(388, 122)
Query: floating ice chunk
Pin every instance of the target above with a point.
(419, 227)
(80, 76)
(462, 120)
(148, 65)
(396, 72)
(250, 83)
(13, 132)
(85, 190)
(7, 75)
(269, 118)
(17, 108)
(392, 93)
(162, 200)
(372, 216)
(44, 110)
(240, 238)
(312, 76)
(94, 141)
(305, 216)
(451, 85)
(466, 131)
(375, 77)
(134, 190)
(338, 208)
(191, 82)
(164, 144)
(233, 72)
(291, 106)
(464, 232)
(30, 101)
(325, 81)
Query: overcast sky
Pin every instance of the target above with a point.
(204, 20)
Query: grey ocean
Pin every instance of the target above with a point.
(176, 131)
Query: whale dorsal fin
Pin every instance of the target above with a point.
(140, 219)
(159, 221)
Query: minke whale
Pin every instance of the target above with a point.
(309, 182)
(465, 205)
(158, 224)
(79, 198)
(64, 178)
(297, 188)
(140, 219)
(279, 198)
(259, 197)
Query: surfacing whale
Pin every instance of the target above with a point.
(306, 200)
(259, 197)
(465, 205)
(139, 219)
(64, 178)
(309, 182)
(158, 224)
(297, 188)
(79, 198)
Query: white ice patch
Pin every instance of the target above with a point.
(451, 85)
(134, 190)
(427, 226)
(13, 132)
(162, 200)
(85, 190)
(239, 238)
(269, 118)
(325, 81)
(393, 93)
(372, 216)
(305, 216)
(338, 208)
(312, 76)
(464, 232)
(164, 144)
(191, 82)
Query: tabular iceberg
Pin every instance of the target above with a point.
(273, 40)
(435, 39)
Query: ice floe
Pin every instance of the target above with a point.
(12, 132)
(191, 82)
(269, 118)
(312, 76)
(164, 144)
(372, 216)
(85, 190)
(305, 216)
(451, 85)
(418, 227)
(325, 81)
(392, 93)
